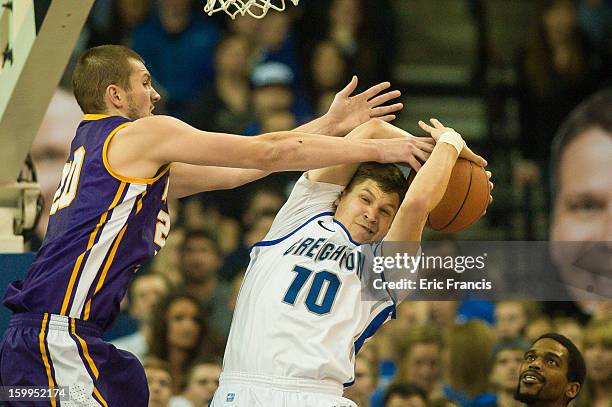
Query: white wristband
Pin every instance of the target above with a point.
(454, 139)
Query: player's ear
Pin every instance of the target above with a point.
(114, 95)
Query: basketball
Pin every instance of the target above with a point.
(465, 199)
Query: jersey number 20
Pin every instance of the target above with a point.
(319, 299)
(67, 190)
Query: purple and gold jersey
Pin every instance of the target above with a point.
(102, 226)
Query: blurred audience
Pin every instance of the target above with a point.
(201, 261)
(177, 42)
(405, 395)
(226, 106)
(200, 385)
(507, 358)
(146, 290)
(597, 352)
(160, 382)
(180, 335)
(469, 349)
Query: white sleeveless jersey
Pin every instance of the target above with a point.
(300, 313)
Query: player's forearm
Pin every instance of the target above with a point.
(321, 125)
(424, 194)
(287, 151)
(429, 185)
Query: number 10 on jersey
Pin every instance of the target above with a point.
(322, 291)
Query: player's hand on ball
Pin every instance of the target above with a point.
(438, 129)
(348, 112)
(491, 186)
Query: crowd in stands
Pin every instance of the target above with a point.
(248, 76)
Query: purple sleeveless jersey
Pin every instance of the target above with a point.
(102, 226)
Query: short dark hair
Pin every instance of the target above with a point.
(576, 368)
(594, 112)
(96, 69)
(388, 177)
(404, 390)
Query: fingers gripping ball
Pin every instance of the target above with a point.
(465, 200)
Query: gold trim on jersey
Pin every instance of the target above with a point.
(90, 243)
(133, 180)
(43, 352)
(107, 266)
(90, 361)
(90, 116)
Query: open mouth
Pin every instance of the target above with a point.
(532, 377)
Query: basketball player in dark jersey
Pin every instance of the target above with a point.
(110, 214)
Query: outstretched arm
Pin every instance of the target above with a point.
(345, 112)
(420, 149)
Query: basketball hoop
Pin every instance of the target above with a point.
(255, 8)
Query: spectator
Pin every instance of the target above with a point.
(201, 261)
(537, 328)
(597, 391)
(366, 377)
(144, 292)
(277, 45)
(582, 155)
(469, 347)
(111, 22)
(405, 395)
(178, 45)
(272, 91)
(507, 358)
(226, 106)
(570, 328)
(237, 261)
(555, 74)
(511, 317)
(328, 73)
(202, 381)
(422, 363)
(160, 382)
(180, 335)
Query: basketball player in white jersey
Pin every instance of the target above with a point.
(300, 316)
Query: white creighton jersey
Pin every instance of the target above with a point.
(299, 312)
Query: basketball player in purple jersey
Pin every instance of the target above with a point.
(110, 214)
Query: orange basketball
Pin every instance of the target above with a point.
(465, 199)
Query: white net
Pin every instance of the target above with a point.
(255, 8)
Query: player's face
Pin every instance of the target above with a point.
(367, 211)
(142, 96)
(543, 375)
(160, 387)
(506, 369)
(203, 384)
(423, 365)
(583, 212)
